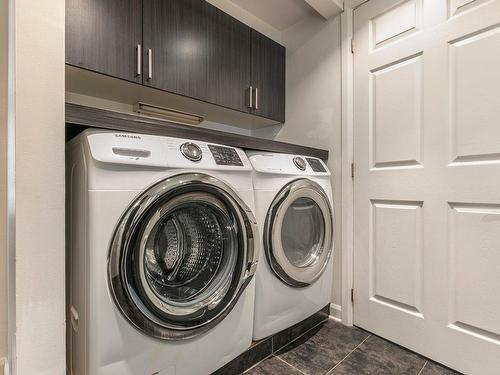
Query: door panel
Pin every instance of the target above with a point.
(268, 77)
(427, 197)
(475, 304)
(176, 32)
(474, 111)
(396, 254)
(397, 22)
(228, 70)
(396, 99)
(96, 43)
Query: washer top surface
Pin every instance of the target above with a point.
(166, 152)
(128, 161)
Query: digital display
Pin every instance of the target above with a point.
(225, 156)
(316, 165)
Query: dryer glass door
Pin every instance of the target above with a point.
(298, 233)
(181, 256)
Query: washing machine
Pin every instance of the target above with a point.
(293, 199)
(162, 251)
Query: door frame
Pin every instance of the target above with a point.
(10, 365)
(348, 168)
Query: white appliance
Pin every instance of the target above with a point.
(162, 254)
(293, 205)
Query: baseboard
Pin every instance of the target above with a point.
(336, 312)
(4, 369)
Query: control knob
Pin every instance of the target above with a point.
(299, 163)
(191, 151)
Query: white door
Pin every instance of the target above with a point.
(427, 184)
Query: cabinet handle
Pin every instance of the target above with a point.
(139, 63)
(256, 98)
(150, 63)
(250, 97)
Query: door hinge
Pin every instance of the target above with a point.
(352, 294)
(352, 171)
(352, 45)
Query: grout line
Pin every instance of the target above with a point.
(258, 363)
(422, 369)
(288, 343)
(329, 372)
(409, 350)
(292, 366)
(302, 334)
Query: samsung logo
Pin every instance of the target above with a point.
(128, 136)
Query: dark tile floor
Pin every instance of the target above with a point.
(332, 348)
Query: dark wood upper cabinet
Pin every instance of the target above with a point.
(176, 46)
(268, 77)
(194, 49)
(103, 35)
(187, 47)
(229, 58)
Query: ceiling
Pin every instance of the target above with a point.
(280, 14)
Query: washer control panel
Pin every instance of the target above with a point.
(316, 165)
(191, 151)
(225, 156)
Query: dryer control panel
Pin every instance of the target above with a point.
(295, 165)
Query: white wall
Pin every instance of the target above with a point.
(39, 191)
(313, 104)
(353, 3)
(3, 177)
(247, 18)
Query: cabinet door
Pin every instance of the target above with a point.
(268, 77)
(103, 35)
(175, 33)
(229, 58)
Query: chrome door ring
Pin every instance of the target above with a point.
(282, 267)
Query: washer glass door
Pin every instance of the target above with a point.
(181, 256)
(298, 233)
